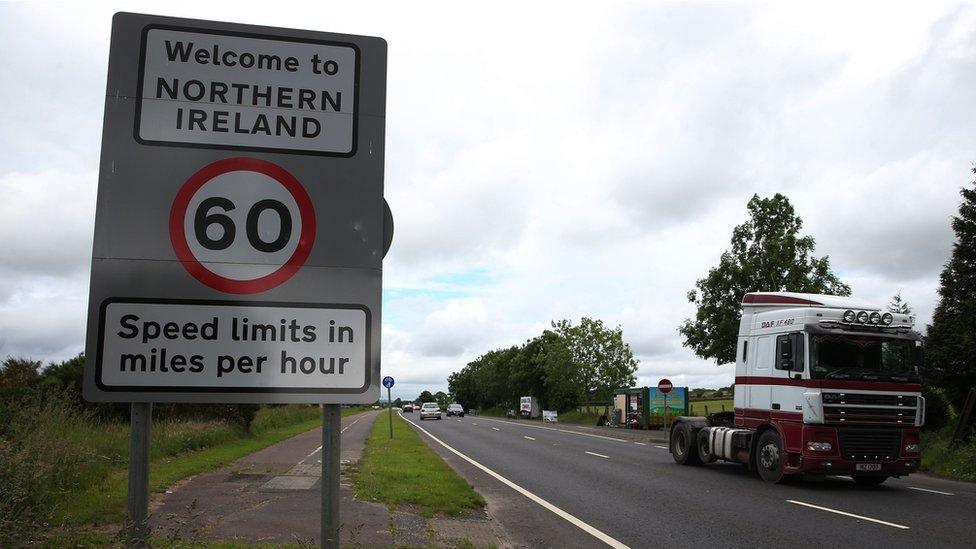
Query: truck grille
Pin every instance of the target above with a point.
(869, 409)
(865, 398)
(865, 444)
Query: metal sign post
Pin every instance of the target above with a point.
(331, 429)
(388, 383)
(665, 386)
(137, 531)
(240, 227)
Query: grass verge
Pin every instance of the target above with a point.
(941, 458)
(404, 470)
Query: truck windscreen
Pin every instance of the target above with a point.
(863, 357)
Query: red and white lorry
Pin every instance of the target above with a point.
(824, 385)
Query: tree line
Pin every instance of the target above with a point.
(565, 366)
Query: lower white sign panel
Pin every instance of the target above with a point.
(240, 347)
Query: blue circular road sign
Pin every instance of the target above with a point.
(388, 382)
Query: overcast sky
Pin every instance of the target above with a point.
(547, 161)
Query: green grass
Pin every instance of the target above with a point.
(951, 461)
(405, 470)
(575, 416)
(697, 407)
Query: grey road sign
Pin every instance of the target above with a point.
(240, 224)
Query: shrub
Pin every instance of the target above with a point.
(937, 411)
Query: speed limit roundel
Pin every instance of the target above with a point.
(242, 225)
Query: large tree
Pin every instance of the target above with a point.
(951, 342)
(768, 254)
(605, 362)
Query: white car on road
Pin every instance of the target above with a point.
(430, 410)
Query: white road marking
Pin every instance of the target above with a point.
(846, 514)
(597, 455)
(543, 503)
(640, 443)
(932, 491)
(560, 430)
(343, 430)
(661, 447)
(459, 421)
(496, 428)
(473, 423)
(528, 438)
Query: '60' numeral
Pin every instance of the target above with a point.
(203, 219)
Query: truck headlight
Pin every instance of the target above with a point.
(819, 446)
(911, 448)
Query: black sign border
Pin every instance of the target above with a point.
(235, 390)
(258, 36)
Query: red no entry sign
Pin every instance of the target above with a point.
(242, 225)
(664, 386)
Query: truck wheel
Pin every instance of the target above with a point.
(683, 445)
(868, 480)
(769, 457)
(704, 448)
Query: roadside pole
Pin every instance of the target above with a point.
(388, 383)
(137, 535)
(331, 425)
(665, 416)
(390, 403)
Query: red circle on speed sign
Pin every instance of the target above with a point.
(238, 187)
(664, 386)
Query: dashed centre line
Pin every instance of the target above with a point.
(496, 429)
(597, 455)
(846, 514)
(641, 443)
(527, 438)
(661, 447)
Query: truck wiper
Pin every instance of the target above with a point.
(836, 374)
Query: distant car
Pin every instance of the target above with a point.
(408, 408)
(430, 410)
(455, 410)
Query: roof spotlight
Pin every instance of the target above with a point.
(862, 317)
(876, 318)
(887, 319)
(850, 316)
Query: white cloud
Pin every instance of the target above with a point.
(588, 160)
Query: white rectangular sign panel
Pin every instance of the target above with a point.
(229, 346)
(254, 92)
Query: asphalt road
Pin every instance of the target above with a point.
(635, 494)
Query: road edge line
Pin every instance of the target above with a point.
(846, 514)
(541, 502)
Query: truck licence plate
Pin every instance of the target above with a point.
(867, 467)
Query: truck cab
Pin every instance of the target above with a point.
(823, 385)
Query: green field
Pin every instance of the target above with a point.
(404, 470)
(697, 407)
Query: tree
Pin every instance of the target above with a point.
(398, 402)
(426, 396)
(441, 398)
(898, 305)
(604, 360)
(768, 254)
(951, 341)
